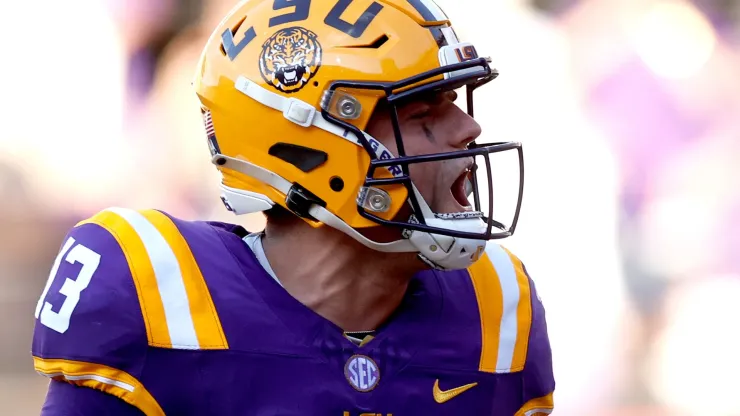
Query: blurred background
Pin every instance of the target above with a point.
(629, 111)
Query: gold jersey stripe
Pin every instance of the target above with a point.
(490, 307)
(537, 407)
(503, 294)
(142, 272)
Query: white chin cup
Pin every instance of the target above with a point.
(450, 253)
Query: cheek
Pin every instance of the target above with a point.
(426, 177)
(415, 141)
(422, 174)
(382, 131)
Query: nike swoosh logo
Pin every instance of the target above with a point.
(441, 396)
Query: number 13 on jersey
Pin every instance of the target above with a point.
(72, 252)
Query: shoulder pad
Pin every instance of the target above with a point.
(125, 277)
(90, 307)
(123, 281)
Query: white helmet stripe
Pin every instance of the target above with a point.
(428, 10)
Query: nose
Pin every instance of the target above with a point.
(465, 128)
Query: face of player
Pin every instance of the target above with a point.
(432, 125)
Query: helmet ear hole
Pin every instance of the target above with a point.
(304, 158)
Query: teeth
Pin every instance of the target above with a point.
(468, 186)
(290, 76)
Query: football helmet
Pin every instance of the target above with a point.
(287, 88)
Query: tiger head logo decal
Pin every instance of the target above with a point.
(290, 58)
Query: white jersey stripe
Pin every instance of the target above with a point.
(95, 377)
(538, 411)
(510, 294)
(169, 280)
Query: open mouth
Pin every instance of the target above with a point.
(462, 188)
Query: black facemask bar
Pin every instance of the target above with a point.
(471, 81)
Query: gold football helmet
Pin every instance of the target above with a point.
(287, 88)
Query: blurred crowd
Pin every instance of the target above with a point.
(629, 111)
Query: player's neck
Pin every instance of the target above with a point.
(353, 286)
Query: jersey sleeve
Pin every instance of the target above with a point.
(66, 399)
(90, 328)
(538, 377)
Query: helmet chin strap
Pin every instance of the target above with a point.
(242, 202)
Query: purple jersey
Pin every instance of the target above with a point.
(179, 318)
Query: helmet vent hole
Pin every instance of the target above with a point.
(304, 158)
(336, 183)
(376, 44)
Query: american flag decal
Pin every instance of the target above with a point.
(210, 133)
(209, 123)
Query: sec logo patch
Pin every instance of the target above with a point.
(362, 373)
